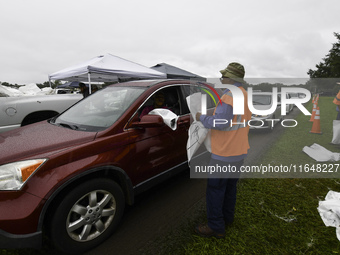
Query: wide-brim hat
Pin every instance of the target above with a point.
(234, 71)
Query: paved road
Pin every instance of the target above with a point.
(162, 208)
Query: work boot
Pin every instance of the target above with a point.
(205, 231)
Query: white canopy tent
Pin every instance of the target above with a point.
(106, 68)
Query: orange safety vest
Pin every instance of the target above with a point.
(232, 141)
(336, 100)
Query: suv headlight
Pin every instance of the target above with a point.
(14, 175)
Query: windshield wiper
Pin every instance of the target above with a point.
(73, 127)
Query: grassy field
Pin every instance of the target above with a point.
(273, 216)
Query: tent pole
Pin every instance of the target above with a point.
(89, 77)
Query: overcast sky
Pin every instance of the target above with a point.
(272, 39)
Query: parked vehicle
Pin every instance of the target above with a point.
(21, 111)
(63, 91)
(263, 101)
(71, 176)
(296, 96)
(289, 107)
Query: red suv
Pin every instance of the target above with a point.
(72, 175)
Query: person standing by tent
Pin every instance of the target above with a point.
(84, 90)
(229, 147)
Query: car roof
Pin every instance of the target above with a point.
(151, 83)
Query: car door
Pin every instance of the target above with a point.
(158, 149)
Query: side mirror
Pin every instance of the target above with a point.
(148, 121)
(168, 117)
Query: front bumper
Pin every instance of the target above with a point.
(11, 241)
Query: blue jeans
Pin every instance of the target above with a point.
(221, 197)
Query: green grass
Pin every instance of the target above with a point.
(288, 149)
(273, 215)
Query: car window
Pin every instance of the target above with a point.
(100, 110)
(171, 101)
(212, 98)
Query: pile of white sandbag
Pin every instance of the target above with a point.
(26, 90)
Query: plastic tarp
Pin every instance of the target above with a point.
(106, 68)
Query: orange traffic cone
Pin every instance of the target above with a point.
(316, 129)
(313, 112)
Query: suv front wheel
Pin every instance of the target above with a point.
(87, 216)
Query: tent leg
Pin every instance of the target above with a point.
(89, 77)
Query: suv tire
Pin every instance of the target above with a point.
(87, 216)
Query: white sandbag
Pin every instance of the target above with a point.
(30, 89)
(46, 91)
(198, 135)
(320, 153)
(8, 91)
(169, 118)
(329, 211)
(336, 132)
(207, 141)
(194, 103)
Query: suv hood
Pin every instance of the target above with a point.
(39, 138)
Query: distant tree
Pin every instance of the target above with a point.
(5, 84)
(328, 69)
(47, 84)
(44, 85)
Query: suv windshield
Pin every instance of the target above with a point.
(100, 110)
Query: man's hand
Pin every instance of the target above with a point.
(198, 115)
